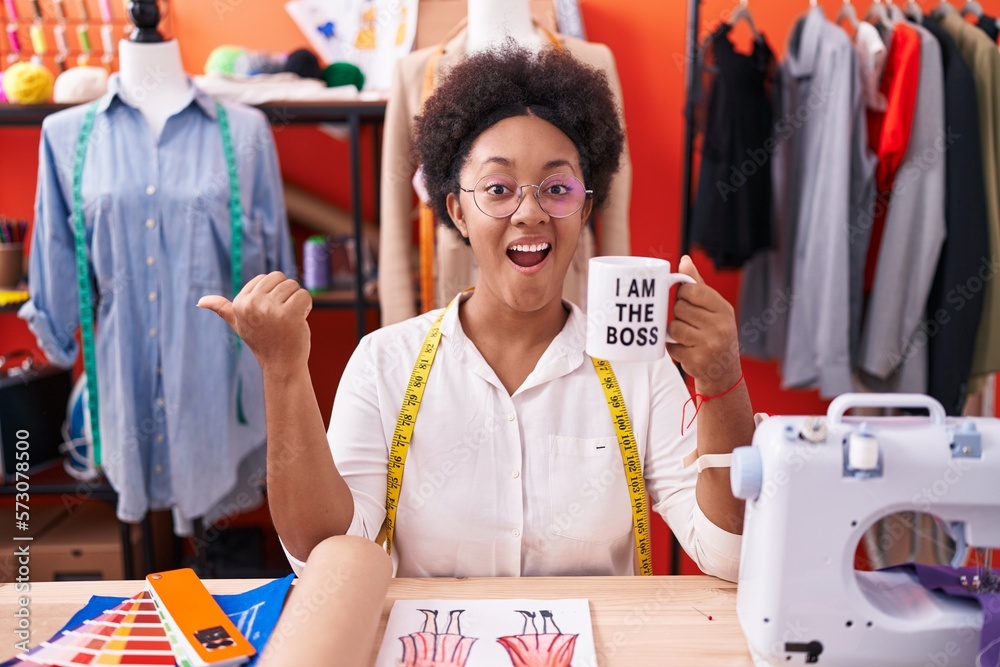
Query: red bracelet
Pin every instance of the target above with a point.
(704, 399)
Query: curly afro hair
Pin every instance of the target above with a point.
(488, 87)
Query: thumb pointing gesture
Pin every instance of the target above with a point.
(222, 307)
(269, 315)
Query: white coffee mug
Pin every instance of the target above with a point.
(627, 307)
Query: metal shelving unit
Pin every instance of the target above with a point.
(353, 113)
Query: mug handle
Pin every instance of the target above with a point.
(674, 279)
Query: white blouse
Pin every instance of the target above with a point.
(525, 485)
(872, 53)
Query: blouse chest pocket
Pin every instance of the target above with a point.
(588, 495)
(211, 233)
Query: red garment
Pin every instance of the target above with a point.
(889, 130)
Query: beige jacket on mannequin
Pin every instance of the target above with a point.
(454, 264)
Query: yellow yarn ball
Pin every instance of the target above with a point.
(27, 83)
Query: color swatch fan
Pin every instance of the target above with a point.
(128, 634)
(199, 631)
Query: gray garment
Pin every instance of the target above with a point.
(802, 301)
(894, 339)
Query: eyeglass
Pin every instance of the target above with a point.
(499, 195)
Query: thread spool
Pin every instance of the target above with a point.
(11, 6)
(316, 264)
(108, 42)
(862, 451)
(62, 46)
(38, 42)
(15, 41)
(84, 37)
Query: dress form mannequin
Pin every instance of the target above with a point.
(492, 22)
(453, 262)
(151, 75)
(159, 219)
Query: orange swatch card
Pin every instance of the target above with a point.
(205, 634)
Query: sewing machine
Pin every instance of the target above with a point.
(813, 486)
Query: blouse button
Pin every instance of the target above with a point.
(515, 533)
(510, 416)
(515, 474)
(150, 190)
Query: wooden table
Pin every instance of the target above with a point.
(637, 620)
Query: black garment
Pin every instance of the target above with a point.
(955, 304)
(988, 24)
(731, 220)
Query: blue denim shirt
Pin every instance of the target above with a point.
(158, 233)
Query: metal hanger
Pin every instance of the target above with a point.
(913, 11)
(972, 7)
(742, 13)
(895, 13)
(849, 14)
(942, 8)
(878, 14)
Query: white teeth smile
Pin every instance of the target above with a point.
(535, 247)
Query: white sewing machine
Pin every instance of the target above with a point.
(813, 486)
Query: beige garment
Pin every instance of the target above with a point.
(982, 57)
(454, 265)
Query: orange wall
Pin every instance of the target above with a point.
(647, 38)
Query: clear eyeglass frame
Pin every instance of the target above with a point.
(554, 205)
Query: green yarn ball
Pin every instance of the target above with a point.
(343, 74)
(222, 60)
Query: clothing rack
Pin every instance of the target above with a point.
(690, 99)
(691, 95)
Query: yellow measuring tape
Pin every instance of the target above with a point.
(632, 461)
(403, 435)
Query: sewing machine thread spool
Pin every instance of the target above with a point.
(316, 264)
(862, 450)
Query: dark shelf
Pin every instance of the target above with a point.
(341, 298)
(279, 113)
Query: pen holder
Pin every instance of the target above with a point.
(11, 264)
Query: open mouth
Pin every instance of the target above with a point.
(528, 255)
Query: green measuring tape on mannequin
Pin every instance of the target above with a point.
(402, 436)
(84, 292)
